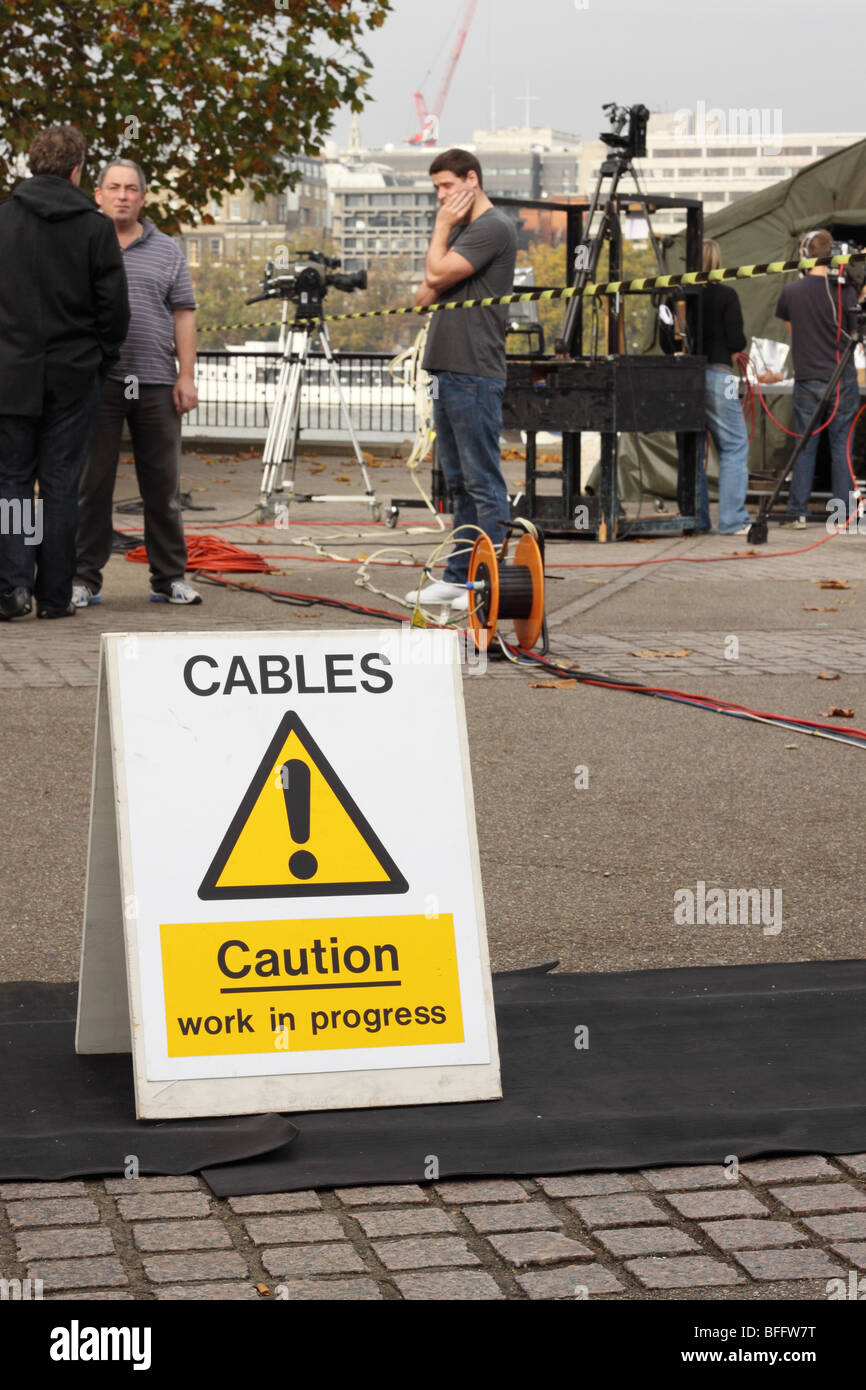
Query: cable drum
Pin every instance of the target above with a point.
(498, 590)
(515, 592)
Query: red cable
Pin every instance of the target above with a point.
(211, 554)
(793, 433)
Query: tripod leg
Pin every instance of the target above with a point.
(335, 378)
(283, 427)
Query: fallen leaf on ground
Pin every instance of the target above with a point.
(838, 712)
(341, 478)
(553, 685)
(791, 745)
(819, 608)
(831, 583)
(685, 651)
(829, 676)
(320, 468)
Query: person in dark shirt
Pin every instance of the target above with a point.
(471, 256)
(722, 337)
(815, 311)
(64, 313)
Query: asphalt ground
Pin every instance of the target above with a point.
(585, 875)
(595, 807)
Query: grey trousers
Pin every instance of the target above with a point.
(154, 425)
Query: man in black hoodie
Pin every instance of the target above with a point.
(64, 313)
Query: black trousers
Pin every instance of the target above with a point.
(37, 537)
(154, 425)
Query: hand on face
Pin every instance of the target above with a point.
(457, 206)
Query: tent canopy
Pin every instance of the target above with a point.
(761, 227)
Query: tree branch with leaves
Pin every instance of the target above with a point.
(207, 97)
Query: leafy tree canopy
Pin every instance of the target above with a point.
(207, 95)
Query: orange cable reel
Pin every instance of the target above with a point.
(498, 590)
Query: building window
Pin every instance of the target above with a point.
(235, 209)
(192, 250)
(216, 246)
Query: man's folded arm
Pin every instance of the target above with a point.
(443, 271)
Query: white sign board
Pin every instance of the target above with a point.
(284, 906)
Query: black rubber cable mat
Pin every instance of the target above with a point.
(64, 1116)
(680, 1066)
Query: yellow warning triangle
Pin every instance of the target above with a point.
(298, 832)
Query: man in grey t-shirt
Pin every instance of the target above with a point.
(471, 256)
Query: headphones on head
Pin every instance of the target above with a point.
(806, 241)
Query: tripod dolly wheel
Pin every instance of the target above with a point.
(391, 517)
(375, 511)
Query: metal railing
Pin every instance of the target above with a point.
(236, 391)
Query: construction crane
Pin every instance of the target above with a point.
(428, 121)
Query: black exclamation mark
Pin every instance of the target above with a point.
(295, 777)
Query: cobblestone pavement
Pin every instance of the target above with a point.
(781, 1228)
(73, 659)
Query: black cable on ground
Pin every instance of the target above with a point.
(713, 705)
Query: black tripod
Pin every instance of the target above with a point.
(625, 148)
(758, 529)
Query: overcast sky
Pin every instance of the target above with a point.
(577, 54)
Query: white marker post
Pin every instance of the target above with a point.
(284, 907)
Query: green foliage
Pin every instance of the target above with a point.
(206, 97)
(549, 265)
(390, 285)
(221, 287)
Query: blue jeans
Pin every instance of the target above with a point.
(731, 438)
(807, 394)
(467, 415)
(48, 448)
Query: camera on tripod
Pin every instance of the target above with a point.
(633, 143)
(307, 282)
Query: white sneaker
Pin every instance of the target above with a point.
(437, 592)
(82, 597)
(180, 593)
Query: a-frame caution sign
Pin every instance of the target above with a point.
(298, 832)
(264, 969)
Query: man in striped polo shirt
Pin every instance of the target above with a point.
(151, 386)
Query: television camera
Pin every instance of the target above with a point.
(307, 282)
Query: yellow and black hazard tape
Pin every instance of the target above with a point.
(221, 327)
(611, 287)
(590, 291)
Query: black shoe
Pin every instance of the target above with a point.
(15, 603)
(68, 612)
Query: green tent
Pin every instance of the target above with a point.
(765, 226)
